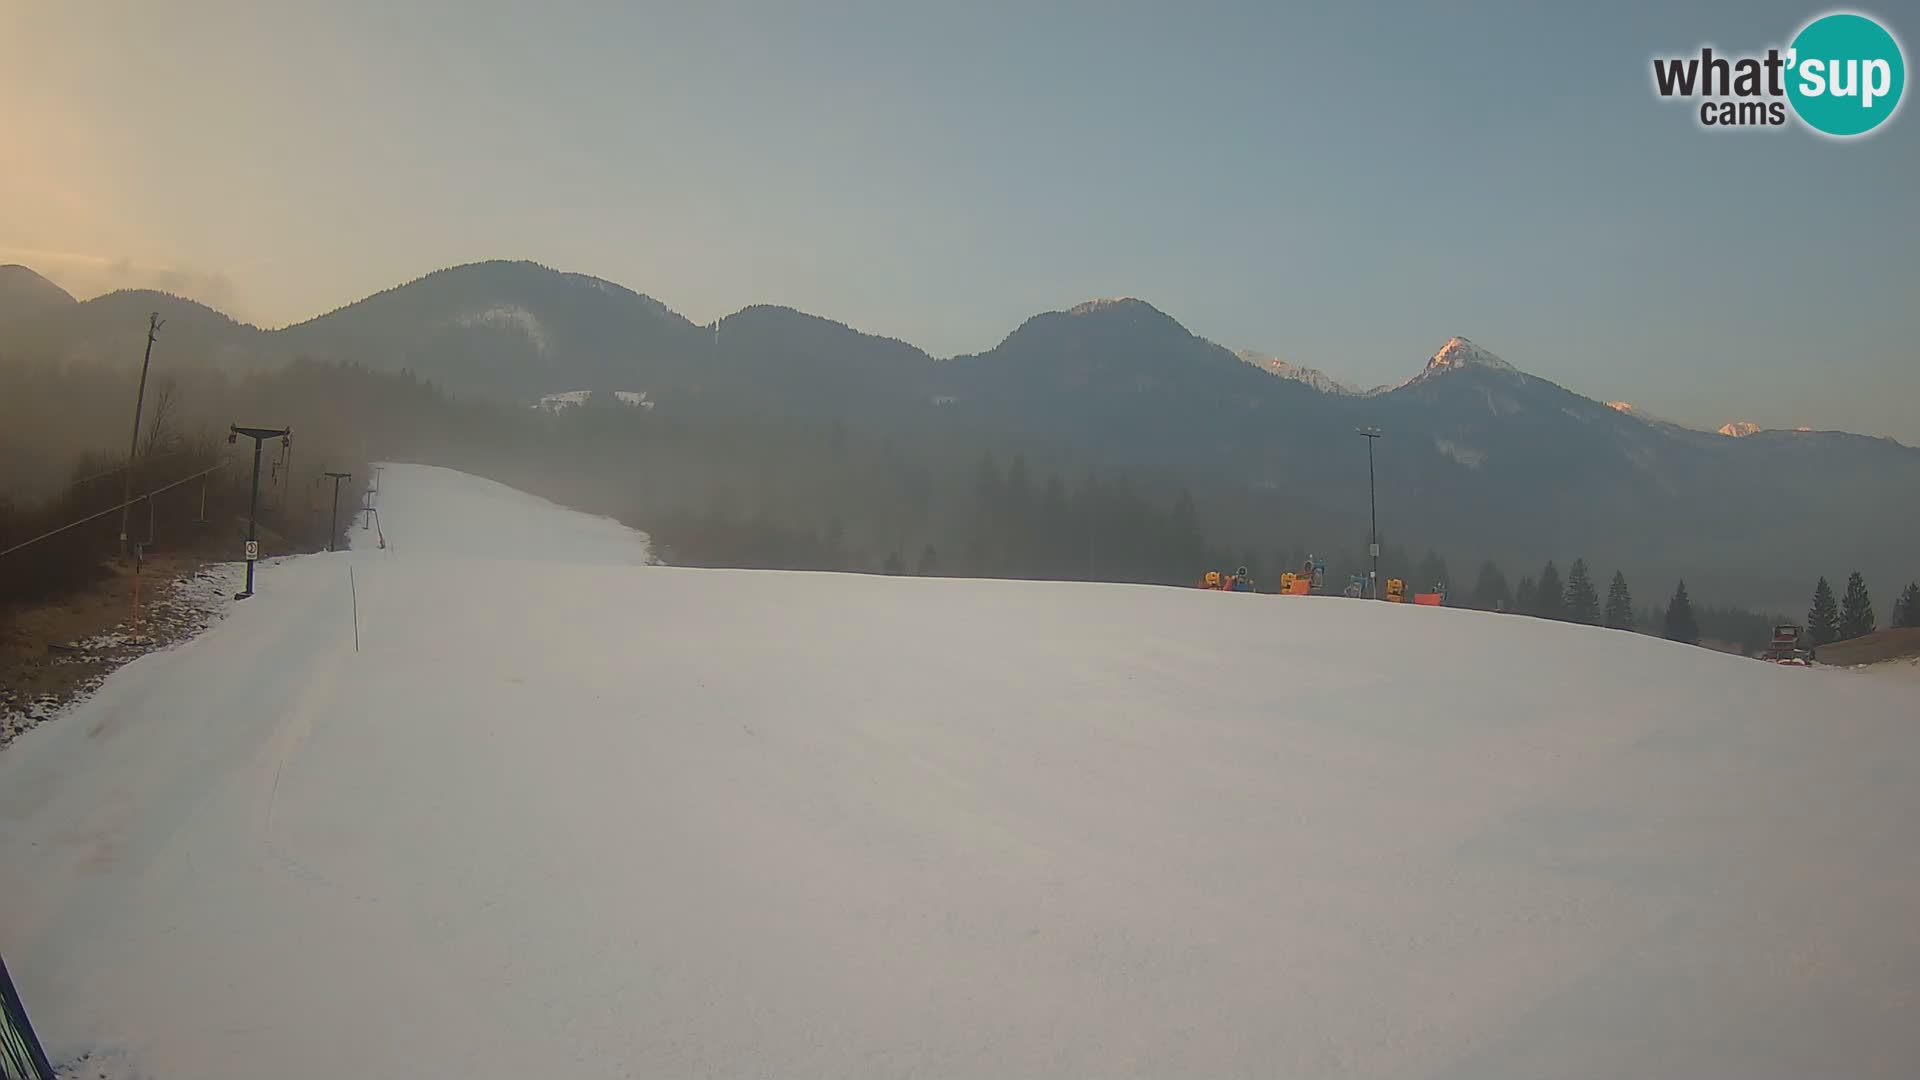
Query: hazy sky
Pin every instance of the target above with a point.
(1344, 185)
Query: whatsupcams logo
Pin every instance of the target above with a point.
(1841, 75)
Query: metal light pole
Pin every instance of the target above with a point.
(333, 523)
(133, 443)
(258, 435)
(1373, 514)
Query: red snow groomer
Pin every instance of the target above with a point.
(1787, 648)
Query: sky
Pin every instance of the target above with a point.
(1344, 186)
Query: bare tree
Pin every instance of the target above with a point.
(161, 436)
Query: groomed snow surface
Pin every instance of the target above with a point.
(565, 814)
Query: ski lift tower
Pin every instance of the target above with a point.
(258, 435)
(333, 523)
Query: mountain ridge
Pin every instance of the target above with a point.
(24, 292)
(1287, 369)
(305, 338)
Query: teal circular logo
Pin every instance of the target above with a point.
(1845, 74)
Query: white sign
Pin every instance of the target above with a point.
(253, 550)
(1373, 550)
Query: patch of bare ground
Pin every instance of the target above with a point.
(56, 652)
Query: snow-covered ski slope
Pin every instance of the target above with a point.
(568, 815)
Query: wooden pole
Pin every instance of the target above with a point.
(133, 441)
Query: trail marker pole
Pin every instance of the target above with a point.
(139, 556)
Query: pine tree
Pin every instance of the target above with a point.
(1017, 521)
(895, 564)
(987, 485)
(834, 557)
(1906, 610)
(1490, 591)
(1523, 596)
(1856, 609)
(1060, 540)
(1619, 603)
(987, 545)
(1823, 618)
(1583, 603)
(1680, 625)
(929, 562)
(1549, 601)
(1186, 547)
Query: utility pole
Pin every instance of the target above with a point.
(333, 527)
(258, 435)
(1373, 545)
(133, 444)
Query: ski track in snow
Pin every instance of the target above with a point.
(569, 814)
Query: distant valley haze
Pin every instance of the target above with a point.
(1483, 457)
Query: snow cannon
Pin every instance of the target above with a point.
(1396, 590)
(1292, 584)
(1211, 581)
